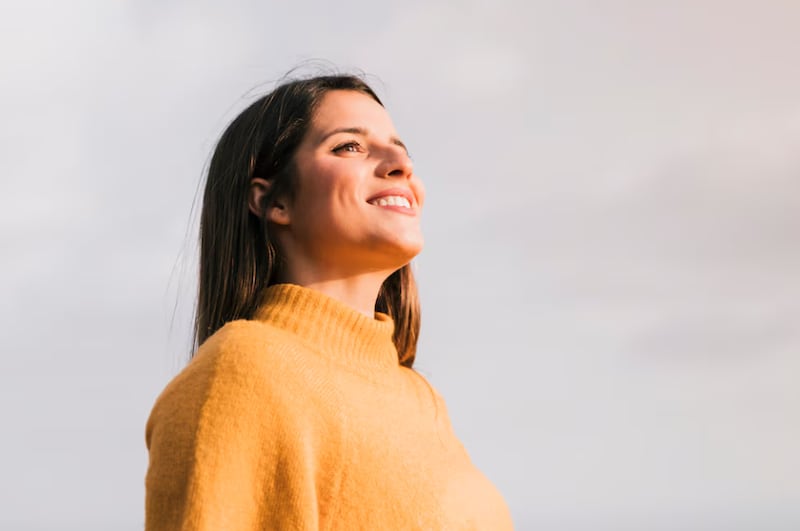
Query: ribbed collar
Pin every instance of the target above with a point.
(329, 325)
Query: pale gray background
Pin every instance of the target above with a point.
(610, 284)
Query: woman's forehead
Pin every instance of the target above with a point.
(343, 109)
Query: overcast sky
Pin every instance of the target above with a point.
(611, 279)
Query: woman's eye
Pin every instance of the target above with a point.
(352, 147)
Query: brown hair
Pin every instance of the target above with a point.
(238, 259)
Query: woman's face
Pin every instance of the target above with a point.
(357, 201)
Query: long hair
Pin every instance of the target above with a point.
(238, 258)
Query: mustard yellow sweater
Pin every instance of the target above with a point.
(303, 419)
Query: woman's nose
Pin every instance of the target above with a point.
(396, 164)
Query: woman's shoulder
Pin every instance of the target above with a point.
(242, 366)
(245, 345)
(236, 392)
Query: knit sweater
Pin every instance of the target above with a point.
(302, 418)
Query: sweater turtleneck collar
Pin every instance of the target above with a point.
(329, 325)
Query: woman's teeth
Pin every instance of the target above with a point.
(392, 200)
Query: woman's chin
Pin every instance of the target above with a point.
(411, 247)
(399, 252)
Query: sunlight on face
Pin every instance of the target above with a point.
(357, 203)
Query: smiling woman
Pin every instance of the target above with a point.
(341, 231)
(300, 408)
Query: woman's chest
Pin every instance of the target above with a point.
(398, 465)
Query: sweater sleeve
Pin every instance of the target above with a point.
(226, 453)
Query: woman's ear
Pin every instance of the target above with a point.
(276, 211)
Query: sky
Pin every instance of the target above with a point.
(610, 286)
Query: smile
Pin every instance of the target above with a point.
(391, 200)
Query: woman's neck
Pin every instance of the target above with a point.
(359, 291)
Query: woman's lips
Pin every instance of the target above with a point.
(393, 197)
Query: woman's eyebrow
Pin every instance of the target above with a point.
(353, 130)
(396, 141)
(363, 132)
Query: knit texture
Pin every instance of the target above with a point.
(302, 418)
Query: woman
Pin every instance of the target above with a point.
(300, 409)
